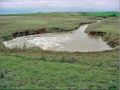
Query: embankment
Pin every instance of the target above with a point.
(108, 29)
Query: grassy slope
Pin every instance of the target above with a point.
(59, 70)
(40, 69)
(110, 26)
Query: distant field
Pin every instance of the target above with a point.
(102, 14)
(98, 14)
(37, 69)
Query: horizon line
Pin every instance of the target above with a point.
(54, 12)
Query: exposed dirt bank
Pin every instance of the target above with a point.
(112, 42)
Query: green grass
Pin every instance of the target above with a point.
(101, 14)
(52, 70)
(37, 69)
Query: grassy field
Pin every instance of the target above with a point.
(65, 21)
(52, 70)
(37, 69)
(101, 14)
(17, 23)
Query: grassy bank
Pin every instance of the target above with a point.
(110, 27)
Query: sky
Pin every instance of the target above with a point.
(32, 6)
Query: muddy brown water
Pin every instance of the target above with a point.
(76, 41)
